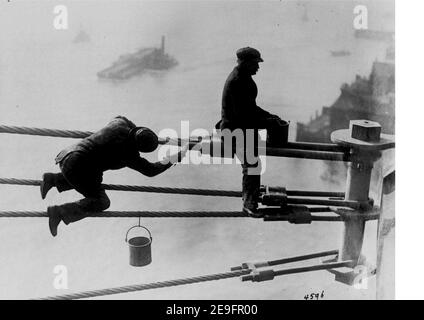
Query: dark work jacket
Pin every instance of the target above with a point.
(112, 148)
(239, 109)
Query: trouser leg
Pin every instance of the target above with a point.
(250, 186)
(51, 180)
(250, 191)
(61, 183)
(81, 173)
(75, 211)
(251, 174)
(277, 131)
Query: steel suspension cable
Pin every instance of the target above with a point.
(309, 153)
(165, 214)
(67, 133)
(130, 214)
(148, 286)
(121, 187)
(188, 191)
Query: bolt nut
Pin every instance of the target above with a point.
(365, 130)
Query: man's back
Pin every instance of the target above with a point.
(109, 148)
(239, 108)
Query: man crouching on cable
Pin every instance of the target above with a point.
(116, 146)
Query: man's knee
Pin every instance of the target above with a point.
(105, 203)
(95, 203)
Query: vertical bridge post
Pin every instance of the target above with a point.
(365, 141)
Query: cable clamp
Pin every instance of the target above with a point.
(273, 196)
(259, 276)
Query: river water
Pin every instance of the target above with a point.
(46, 80)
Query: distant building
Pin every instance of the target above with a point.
(370, 98)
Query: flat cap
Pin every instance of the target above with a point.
(248, 53)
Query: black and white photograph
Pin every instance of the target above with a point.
(197, 150)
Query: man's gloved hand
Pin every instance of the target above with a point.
(184, 149)
(176, 157)
(274, 117)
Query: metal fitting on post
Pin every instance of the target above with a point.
(366, 205)
(365, 130)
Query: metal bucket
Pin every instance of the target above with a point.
(278, 134)
(140, 248)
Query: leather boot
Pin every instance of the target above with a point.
(47, 183)
(251, 185)
(68, 213)
(55, 218)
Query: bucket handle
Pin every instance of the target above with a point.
(138, 226)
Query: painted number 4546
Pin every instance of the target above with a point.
(314, 295)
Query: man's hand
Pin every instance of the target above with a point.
(274, 117)
(176, 157)
(184, 149)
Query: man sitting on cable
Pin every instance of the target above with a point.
(82, 165)
(240, 111)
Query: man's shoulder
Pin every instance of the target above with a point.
(116, 130)
(234, 74)
(121, 121)
(233, 78)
